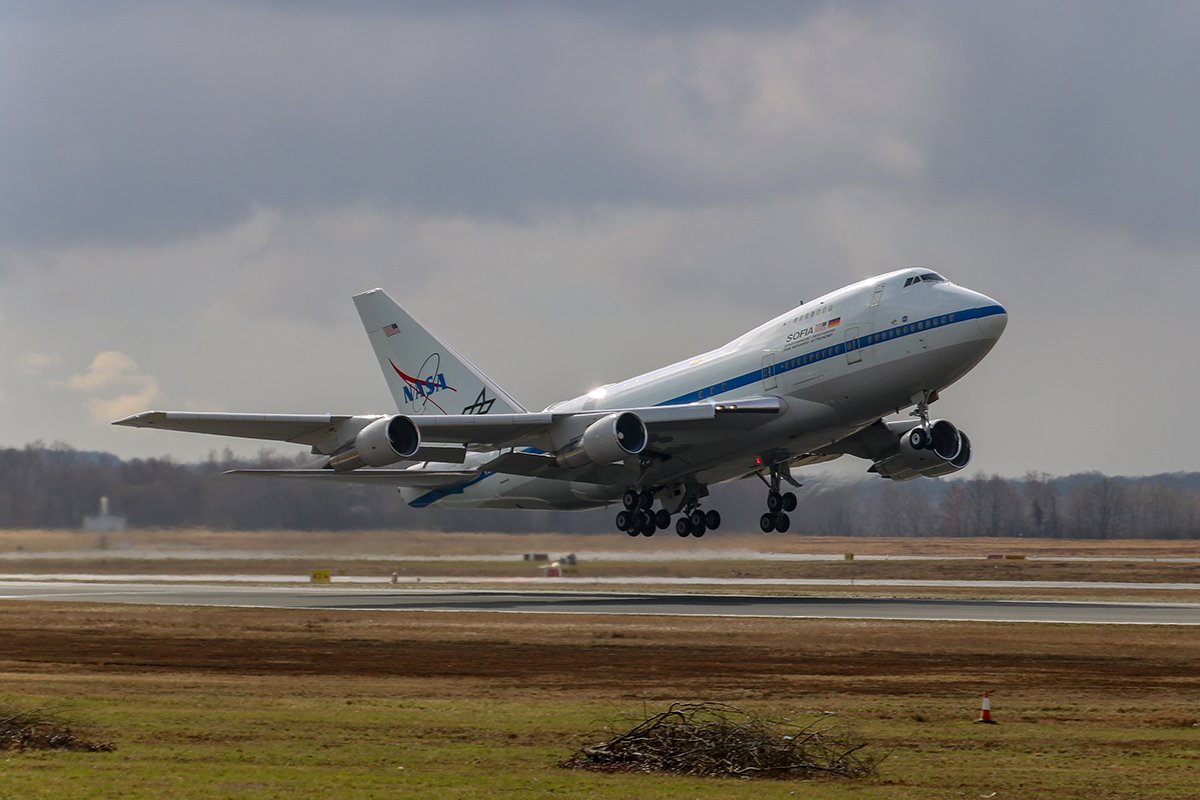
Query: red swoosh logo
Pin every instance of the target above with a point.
(419, 385)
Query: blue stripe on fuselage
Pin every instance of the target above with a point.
(832, 351)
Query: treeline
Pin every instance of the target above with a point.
(56, 486)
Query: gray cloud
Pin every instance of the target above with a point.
(575, 193)
(160, 120)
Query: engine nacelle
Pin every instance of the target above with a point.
(385, 441)
(607, 440)
(948, 450)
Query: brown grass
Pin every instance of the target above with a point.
(416, 542)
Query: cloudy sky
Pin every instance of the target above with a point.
(576, 192)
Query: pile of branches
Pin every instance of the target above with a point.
(42, 729)
(715, 739)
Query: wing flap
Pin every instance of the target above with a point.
(538, 465)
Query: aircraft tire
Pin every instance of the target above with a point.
(767, 523)
(774, 501)
(789, 501)
(698, 532)
(919, 438)
(630, 499)
(623, 520)
(663, 519)
(683, 527)
(782, 523)
(645, 500)
(712, 519)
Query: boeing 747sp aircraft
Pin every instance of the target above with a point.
(809, 386)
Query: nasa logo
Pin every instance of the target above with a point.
(419, 391)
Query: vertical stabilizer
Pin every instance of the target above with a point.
(424, 374)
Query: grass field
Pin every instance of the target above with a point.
(256, 703)
(260, 704)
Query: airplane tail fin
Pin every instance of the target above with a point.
(424, 374)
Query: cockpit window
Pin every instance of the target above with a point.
(928, 277)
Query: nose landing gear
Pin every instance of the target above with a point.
(921, 437)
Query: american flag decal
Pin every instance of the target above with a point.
(391, 330)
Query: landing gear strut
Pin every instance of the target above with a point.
(921, 437)
(778, 504)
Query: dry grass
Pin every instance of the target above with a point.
(416, 542)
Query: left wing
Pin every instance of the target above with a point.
(591, 446)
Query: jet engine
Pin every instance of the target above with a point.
(939, 450)
(385, 441)
(607, 440)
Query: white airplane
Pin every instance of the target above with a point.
(806, 387)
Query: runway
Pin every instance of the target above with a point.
(387, 599)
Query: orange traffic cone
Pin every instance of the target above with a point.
(985, 711)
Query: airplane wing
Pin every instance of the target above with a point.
(324, 432)
(668, 427)
(446, 438)
(417, 478)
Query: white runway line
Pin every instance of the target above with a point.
(568, 582)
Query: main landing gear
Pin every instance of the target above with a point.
(637, 518)
(778, 504)
(695, 521)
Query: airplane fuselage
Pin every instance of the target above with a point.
(838, 363)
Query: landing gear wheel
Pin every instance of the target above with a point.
(919, 438)
(696, 522)
(683, 527)
(630, 499)
(624, 518)
(650, 528)
(662, 519)
(645, 500)
(782, 523)
(774, 501)
(767, 522)
(712, 519)
(633, 532)
(698, 532)
(789, 501)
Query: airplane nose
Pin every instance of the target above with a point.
(992, 319)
